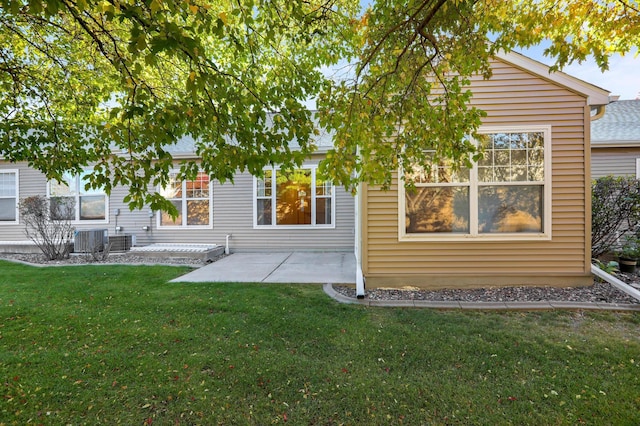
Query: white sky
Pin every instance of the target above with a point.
(622, 78)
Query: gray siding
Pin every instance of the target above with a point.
(31, 182)
(232, 215)
(613, 161)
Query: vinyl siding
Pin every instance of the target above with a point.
(232, 206)
(31, 182)
(233, 215)
(613, 161)
(512, 97)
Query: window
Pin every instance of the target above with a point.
(192, 200)
(72, 200)
(8, 197)
(293, 199)
(505, 195)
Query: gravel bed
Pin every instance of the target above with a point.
(117, 258)
(599, 292)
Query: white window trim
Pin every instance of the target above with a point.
(314, 169)
(184, 199)
(17, 197)
(474, 235)
(77, 195)
(637, 168)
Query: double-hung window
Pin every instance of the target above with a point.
(8, 197)
(297, 198)
(71, 199)
(505, 195)
(192, 199)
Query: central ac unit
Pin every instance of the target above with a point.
(120, 242)
(90, 241)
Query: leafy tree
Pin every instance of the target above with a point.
(115, 83)
(413, 66)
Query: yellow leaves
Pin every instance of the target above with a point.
(141, 42)
(194, 8)
(156, 6)
(107, 7)
(81, 5)
(223, 17)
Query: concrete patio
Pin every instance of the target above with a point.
(279, 267)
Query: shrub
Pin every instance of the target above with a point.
(53, 237)
(615, 210)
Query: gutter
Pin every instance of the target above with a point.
(600, 109)
(615, 144)
(620, 285)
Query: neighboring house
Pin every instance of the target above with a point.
(519, 217)
(300, 213)
(615, 140)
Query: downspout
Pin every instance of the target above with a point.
(358, 246)
(619, 284)
(226, 244)
(600, 109)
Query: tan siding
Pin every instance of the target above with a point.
(614, 161)
(511, 97)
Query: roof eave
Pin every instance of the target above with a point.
(615, 144)
(595, 95)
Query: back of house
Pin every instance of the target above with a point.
(520, 216)
(283, 211)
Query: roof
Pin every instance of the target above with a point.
(186, 146)
(595, 95)
(620, 124)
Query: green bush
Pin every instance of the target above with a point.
(615, 210)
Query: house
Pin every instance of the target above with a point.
(297, 213)
(518, 217)
(615, 140)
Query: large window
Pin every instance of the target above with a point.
(192, 200)
(8, 197)
(506, 194)
(72, 200)
(294, 199)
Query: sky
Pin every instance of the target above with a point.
(622, 78)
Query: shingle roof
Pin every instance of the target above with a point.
(620, 123)
(187, 145)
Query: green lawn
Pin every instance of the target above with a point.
(119, 344)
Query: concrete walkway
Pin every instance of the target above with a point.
(279, 267)
(330, 268)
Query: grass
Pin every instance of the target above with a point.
(121, 345)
